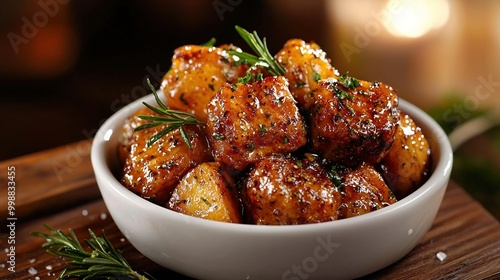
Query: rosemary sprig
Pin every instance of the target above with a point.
(104, 262)
(173, 119)
(263, 59)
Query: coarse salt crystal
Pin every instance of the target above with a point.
(441, 256)
(103, 216)
(32, 271)
(48, 267)
(85, 212)
(122, 239)
(32, 260)
(37, 278)
(2, 265)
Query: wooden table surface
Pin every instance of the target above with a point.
(57, 187)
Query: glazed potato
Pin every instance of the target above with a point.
(207, 192)
(197, 72)
(283, 190)
(353, 121)
(305, 64)
(249, 121)
(153, 172)
(363, 190)
(406, 165)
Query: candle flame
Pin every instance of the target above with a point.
(414, 19)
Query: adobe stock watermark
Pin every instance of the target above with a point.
(75, 154)
(223, 6)
(10, 249)
(31, 26)
(325, 248)
(372, 28)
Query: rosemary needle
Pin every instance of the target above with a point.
(104, 262)
(172, 119)
(264, 58)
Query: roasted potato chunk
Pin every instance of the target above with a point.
(305, 64)
(207, 192)
(363, 190)
(353, 121)
(283, 190)
(153, 172)
(249, 121)
(406, 165)
(197, 72)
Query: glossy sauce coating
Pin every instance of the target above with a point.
(249, 121)
(305, 64)
(283, 190)
(256, 130)
(197, 72)
(207, 192)
(406, 165)
(353, 125)
(363, 191)
(153, 172)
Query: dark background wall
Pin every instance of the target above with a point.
(72, 68)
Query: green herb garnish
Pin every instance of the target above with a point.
(250, 146)
(262, 129)
(173, 119)
(104, 262)
(249, 77)
(299, 84)
(334, 176)
(218, 136)
(316, 76)
(264, 59)
(206, 201)
(349, 82)
(342, 94)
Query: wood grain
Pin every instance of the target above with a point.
(50, 181)
(465, 232)
(463, 229)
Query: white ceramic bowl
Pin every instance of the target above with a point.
(203, 249)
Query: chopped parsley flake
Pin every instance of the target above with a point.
(206, 201)
(250, 147)
(247, 78)
(299, 84)
(262, 129)
(349, 82)
(334, 177)
(218, 136)
(316, 76)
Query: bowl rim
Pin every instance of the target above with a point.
(442, 165)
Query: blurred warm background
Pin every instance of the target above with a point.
(65, 66)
